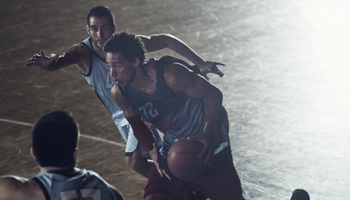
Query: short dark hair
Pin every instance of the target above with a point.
(128, 45)
(100, 11)
(55, 138)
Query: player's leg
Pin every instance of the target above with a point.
(138, 163)
(161, 188)
(221, 181)
(135, 157)
(133, 153)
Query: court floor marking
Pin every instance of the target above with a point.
(81, 135)
(118, 144)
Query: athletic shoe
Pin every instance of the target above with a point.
(300, 194)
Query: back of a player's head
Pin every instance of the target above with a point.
(100, 11)
(55, 138)
(127, 44)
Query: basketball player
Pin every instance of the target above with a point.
(90, 59)
(181, 104)
(54, 147)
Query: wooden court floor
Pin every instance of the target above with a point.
(287, 99)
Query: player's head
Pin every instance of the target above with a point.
(100, 11)
(128, 45)
(100, 25)
(55, 138)
(125, 51)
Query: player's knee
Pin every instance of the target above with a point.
(129, 162)
(134, 161)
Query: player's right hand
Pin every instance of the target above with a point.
(41, 60)
(159, 162)
(208, 151)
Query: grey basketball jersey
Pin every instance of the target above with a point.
(81, 184)
(177, 115)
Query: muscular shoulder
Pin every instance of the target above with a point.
(177, 76)
(81, 54)
(79, 49)
(18, 188)
(120, 101)
(118, 97)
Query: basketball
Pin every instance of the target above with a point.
(183, 159)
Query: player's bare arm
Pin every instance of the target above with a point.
(77, 54)
(18, 188)
(161, 41)
(179, 78)
(120, 101)
(141, 131)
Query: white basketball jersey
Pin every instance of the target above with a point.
(99, 78)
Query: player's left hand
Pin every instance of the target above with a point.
(210, 67)
(159, 162)
(208, 152)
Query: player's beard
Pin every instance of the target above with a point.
(96, 43)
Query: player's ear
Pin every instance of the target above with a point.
(113, 28)
(32, 152)
(88, 29)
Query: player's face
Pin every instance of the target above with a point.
(122, 71)
(100, 30)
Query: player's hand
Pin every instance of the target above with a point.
(207, 152)
(210, 67)
(41, 60)
(159, 162)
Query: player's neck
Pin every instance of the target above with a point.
(100, 53)
(47, 169)
(145, 79)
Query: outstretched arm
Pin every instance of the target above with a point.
(180, 79)
(77, 54)
(161, 41)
